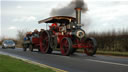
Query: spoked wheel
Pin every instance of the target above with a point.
(44, 43)
(30, 47)
(92, 47)
(66, 46)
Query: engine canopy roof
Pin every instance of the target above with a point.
(58, 19)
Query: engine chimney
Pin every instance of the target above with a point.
(78, 16)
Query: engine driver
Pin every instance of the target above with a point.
(54, 26)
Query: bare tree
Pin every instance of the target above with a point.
(20, 37)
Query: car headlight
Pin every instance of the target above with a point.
(13, 44)
(5, 44)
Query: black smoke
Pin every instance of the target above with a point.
(69, 9)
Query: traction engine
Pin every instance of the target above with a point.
(66, 33)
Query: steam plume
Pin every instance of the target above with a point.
(69, 9)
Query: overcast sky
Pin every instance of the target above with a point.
(102, 15)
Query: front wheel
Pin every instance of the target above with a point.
(31, 47)
(92, 46)
(66, 46)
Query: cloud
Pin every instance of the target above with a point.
(12, 28)
(25, 18)
(107, 16)
(30, 18)
(19, 7)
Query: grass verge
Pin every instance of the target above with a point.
(114, 53)
(9, 64)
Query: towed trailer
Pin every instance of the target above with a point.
(32, 44)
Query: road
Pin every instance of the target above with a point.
(75, 63)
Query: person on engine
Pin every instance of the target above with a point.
(54, 26)
(41, 31)
(35, 33)
(28, 36)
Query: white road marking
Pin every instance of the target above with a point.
(107, 62)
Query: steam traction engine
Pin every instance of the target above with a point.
(66, 34)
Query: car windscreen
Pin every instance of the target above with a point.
(8, 42)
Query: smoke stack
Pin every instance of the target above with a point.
(78, 16)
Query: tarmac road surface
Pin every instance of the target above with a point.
(75, 63)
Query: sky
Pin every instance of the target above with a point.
(102, 15)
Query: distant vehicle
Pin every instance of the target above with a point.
(8, 44)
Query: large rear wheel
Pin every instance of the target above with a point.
(66, 46)
(44, 42)
(92, 46)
